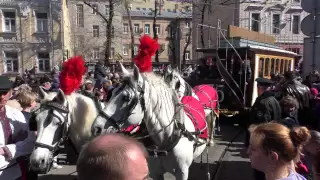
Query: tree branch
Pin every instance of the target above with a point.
(96, 11)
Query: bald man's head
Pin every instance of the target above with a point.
(112, 157)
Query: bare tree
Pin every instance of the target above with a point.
(109, 28)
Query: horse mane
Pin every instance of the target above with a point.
(81, 105)
(155, 80)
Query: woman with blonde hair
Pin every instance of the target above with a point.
(273, 147)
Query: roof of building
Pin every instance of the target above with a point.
(164, 14)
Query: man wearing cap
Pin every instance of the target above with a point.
(266, 108)
(15, 138)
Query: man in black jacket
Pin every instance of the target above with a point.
(99, 74)
(265, 109)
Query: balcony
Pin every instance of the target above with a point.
(40, 38)
(8, 37)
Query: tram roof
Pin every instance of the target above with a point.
(253, 47)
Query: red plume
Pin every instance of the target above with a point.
(148, 47)
(71, 75)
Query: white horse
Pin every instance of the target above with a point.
(146, 98)
(173, 78)
(60, 116)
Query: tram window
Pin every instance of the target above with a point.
(289, 65)
(266, 67)
(261, 64)
(272, 70)
(286, 66)
(277, 65)
(281, 66)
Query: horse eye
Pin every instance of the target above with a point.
(126, 96)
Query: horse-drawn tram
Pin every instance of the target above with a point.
(241, 58)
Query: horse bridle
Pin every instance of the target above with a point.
(132, 104)
(63, 110)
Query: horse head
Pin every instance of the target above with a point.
(125, 108)
(52, 125)
(173, 78)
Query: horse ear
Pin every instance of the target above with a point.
(42, 93)
(60, 97)
(136, 73)
(123, 70)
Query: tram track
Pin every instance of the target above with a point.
(216, 173)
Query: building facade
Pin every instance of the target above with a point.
(172, 31)
(278, 18)
(88, 31)
(162, 5)
(30, 35)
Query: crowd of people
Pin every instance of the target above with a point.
(283, 141)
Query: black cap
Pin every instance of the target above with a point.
(5, 84)
(264, 82)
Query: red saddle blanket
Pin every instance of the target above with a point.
(195, 112)
(208, 96)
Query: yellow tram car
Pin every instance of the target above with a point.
(266, 58)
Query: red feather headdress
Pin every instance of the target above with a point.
(71, 75)
(148, 47)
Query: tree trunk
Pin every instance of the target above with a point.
(185, 49)
(126, 5)
(155, 35)
(109, 33)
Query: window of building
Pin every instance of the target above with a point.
(147, 28)
(295, 24)
(95, 53)
(95, 30)
(255, 22)
(187, 24)
(138, 8)
(9, 18)
(107, 10)
(12, 61)
(112, 53)
(125, 50)
(157, 28)
(187, 55)
(80, 17)
(43, 62)
(135, 49)
(125, 28)
(144, 9)
(276, 23)
(136, 28)
(94, 8)
(169, 10)
(80, 41)
(42, 22)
